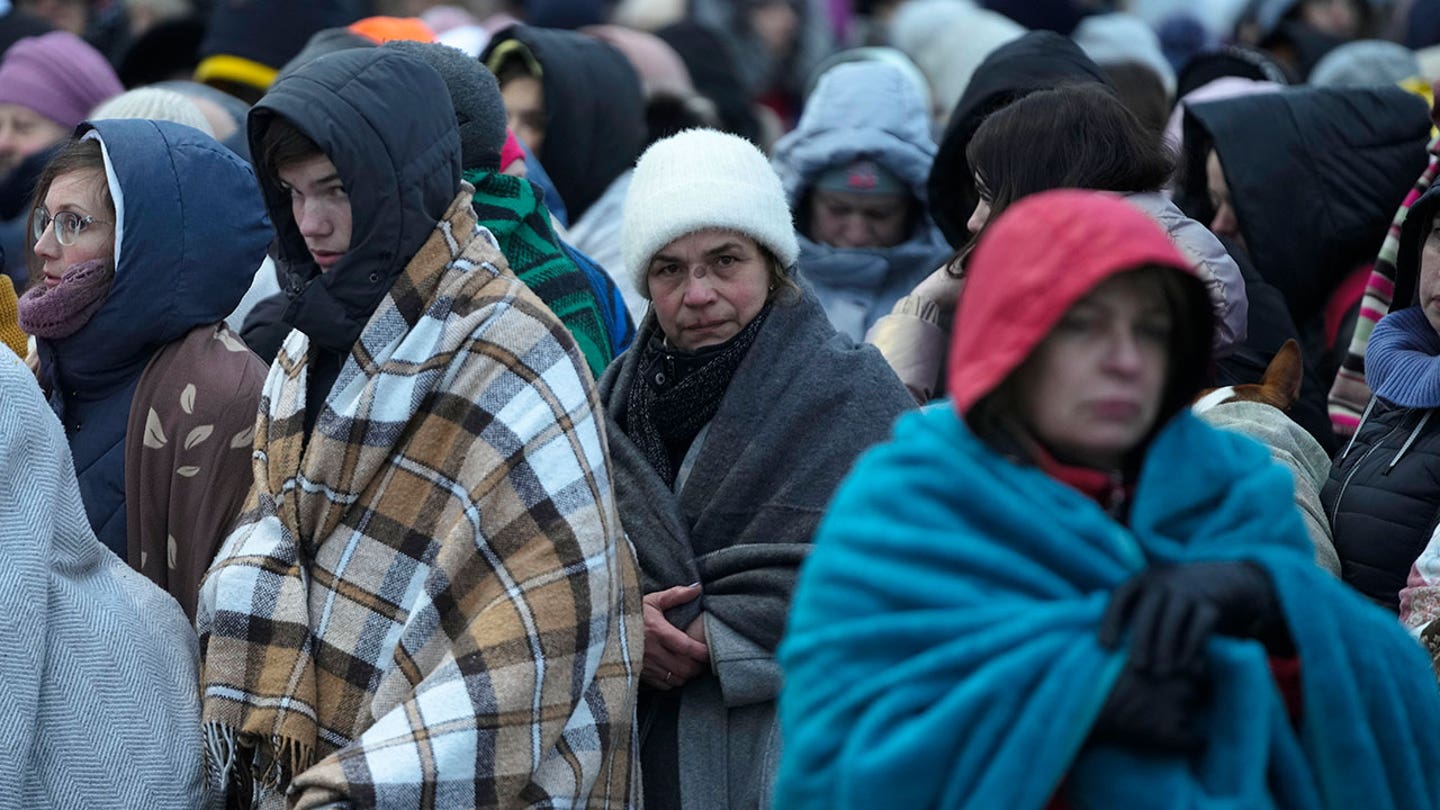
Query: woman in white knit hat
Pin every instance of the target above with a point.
(733, 417)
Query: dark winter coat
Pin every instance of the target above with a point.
(1350, 155)
(193, 231)
(1383, 494)
(594, 110)
(400, 165)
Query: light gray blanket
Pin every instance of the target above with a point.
(99, 700)
(1295, 450)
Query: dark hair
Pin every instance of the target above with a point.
(1075, 136)
(76, 156)
(283, 144)
(1142, 91)
(994, 418)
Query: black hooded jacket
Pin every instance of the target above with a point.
(1315, 176)
(1383, 494)
(595, 111)
(1039, 60)
(385, 120)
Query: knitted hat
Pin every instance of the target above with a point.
(154, 104)
(862, 176)
(703, 179)
(58, 76)
(250, 40)
(10, 334)
(479, 107)
(393, 29)
(1365, 63)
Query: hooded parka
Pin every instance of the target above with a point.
(872, 111)
(191, 232)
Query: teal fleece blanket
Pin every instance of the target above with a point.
(942, 647)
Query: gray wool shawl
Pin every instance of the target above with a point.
(802, 406)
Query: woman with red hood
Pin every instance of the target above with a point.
(1061, 589)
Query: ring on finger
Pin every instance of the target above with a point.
(667, 676)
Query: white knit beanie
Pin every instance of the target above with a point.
(154, 104)
(700, 179)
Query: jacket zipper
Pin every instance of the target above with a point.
(1340, 496)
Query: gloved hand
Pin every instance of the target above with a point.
(1173, 610)
(1152, 711)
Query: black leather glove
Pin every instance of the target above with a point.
(1173, 610)
(1153, 712)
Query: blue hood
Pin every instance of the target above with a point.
(192, 232)
(859, 110)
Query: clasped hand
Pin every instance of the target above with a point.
(672, 656)
(1170, 613)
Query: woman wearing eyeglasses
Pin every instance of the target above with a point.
(145, 235)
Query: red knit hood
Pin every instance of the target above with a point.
(1034, 262)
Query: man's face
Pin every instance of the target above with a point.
(320, 206)
(849, 220)
(525, 110)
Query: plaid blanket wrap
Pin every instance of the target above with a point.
(433, 603)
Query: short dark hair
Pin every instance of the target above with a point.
(1075, 136)
(78, 155)
(283, 144)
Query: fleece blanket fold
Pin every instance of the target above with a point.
(942, 649)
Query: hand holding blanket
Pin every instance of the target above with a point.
(943, 647)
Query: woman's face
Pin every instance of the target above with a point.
(23, 132)
(1430, 276)
(981, 214)
(707, 286)
(1091, 391)
(77, 192)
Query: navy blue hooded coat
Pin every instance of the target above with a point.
(191, 231)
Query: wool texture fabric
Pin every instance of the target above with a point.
(479, 108)
(98, 706)
(740, 524)
(1403, 360)
(950, 611)
(703, 179)
(154, 104)
(58, 75)
(1350, 391)
(677, 394)
(10, 332)
(60, 311)
(511, 209)
(187, 456)
(429, 601)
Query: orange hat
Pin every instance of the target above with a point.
(389, 29)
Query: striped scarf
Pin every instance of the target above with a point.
(513, 212)
(1349, 393)
(430, 602)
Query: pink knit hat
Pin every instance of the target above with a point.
(58, 76)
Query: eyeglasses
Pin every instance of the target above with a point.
(68, 225)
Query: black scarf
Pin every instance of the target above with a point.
(677, 393)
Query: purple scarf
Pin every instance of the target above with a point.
(59, 312)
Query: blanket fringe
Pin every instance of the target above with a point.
(271, 766)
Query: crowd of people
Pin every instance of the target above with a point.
(711, 404)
